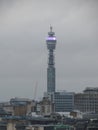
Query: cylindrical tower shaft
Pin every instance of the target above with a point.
(51, 43)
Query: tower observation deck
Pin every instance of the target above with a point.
(51, 44)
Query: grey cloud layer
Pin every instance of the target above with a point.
(23, 53)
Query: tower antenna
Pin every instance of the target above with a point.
(51, 28)
(51, 45)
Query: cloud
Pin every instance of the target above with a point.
(23, 52)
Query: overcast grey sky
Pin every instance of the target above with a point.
(24, 25)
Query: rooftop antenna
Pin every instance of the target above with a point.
(51, 28)
(51, 33)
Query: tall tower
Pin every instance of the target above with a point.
(51, 44)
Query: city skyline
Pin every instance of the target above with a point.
(23, 54)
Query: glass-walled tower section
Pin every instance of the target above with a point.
(51, 44)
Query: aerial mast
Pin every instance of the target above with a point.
(51, 44)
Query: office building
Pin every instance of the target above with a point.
(21, 106)
(46, 106)
(87, 101)
(64, 101)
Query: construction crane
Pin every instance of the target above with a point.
(35, 90)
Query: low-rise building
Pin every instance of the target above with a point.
(46, 106)
(64, 101)
(87, 101)
(21, 106)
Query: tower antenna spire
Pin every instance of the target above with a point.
(51, 28)
(51, 33)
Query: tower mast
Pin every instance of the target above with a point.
(51, 44)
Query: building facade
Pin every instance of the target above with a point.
(87, 101)
(21, 106)
(64, 101)
(46, 106)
